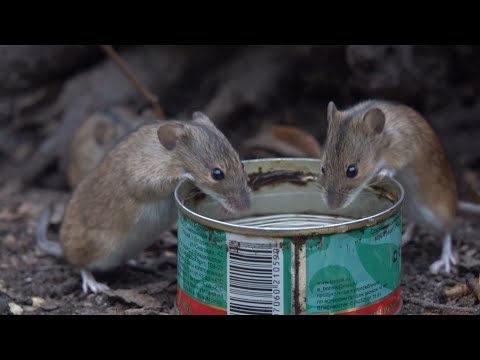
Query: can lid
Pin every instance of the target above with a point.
(291, 225)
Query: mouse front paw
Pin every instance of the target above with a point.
(382, 174)
(385, 173)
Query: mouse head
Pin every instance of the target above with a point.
(209, 160)
(353, 153)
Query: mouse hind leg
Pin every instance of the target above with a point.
(407, 235)
(447, 259)
(89, 283)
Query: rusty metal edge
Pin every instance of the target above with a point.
(306, 231)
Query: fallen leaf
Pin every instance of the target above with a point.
(134, 297)
(15, 309)
(298, 138)
(282, 140)
(456, 291)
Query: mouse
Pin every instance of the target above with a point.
(377, 138)
(100, 131)
(120, 207)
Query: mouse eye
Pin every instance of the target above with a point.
(323, 170)
(352, 171)
(217, 174)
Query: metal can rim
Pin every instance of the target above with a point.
(289, 232)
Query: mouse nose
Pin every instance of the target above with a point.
(334, 201)
(240, 201)
(244, 201)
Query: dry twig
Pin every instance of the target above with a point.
(441, 307)
(129, 74)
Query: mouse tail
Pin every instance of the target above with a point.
(469, 207)
(50, 247)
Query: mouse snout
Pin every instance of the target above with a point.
(239, 201)
(334, 200)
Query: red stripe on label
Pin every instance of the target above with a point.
(190, 306)
(388, 306)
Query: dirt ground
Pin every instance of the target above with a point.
(27, 273)
(32, 282)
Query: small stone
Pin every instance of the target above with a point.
(15, 309)
(37, 301)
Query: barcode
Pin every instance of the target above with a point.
(255, 279)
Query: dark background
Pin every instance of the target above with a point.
(46, 91)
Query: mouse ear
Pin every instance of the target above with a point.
(331, 111)
(375, 120)
(169, 133)
(201, 118)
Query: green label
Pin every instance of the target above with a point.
(355, 269)
(242, 275)
(202, 262)
(287, 277)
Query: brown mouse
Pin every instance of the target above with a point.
(117, 209)
(96, 136)
(378, 138)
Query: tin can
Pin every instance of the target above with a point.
(289, 254)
